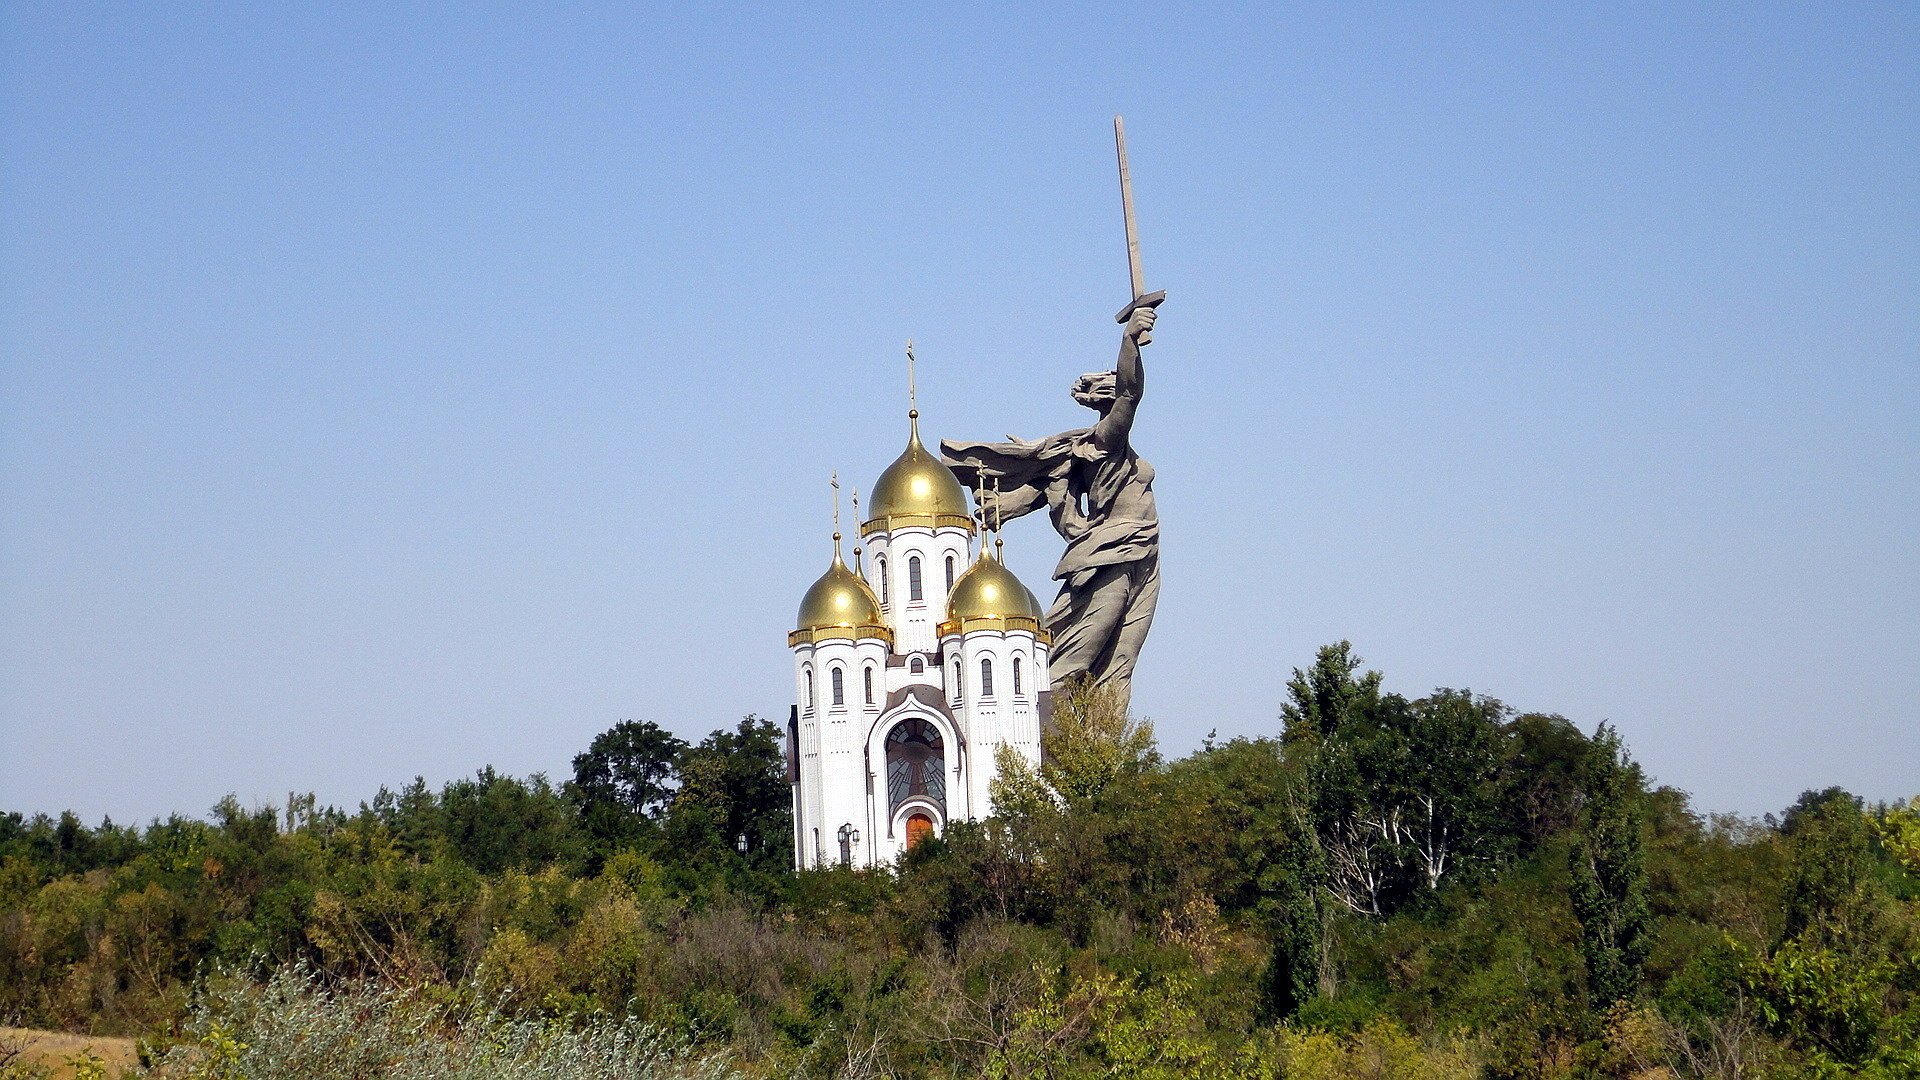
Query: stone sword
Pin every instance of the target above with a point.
(1141, 297)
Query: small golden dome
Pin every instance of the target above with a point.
(917, 489)
(839, 605)
(988, 596)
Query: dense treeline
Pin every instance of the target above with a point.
(1390, 886)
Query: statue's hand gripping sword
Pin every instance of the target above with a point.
(1141, 297)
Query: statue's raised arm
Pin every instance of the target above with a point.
(1100, 494)
(1126, 384)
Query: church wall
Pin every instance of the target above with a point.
(914, 621)
(833, 742)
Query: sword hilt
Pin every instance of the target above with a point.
(1150, 300)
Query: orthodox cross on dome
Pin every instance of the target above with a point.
(999, 535)
(913, 397)
(856, 521)
(834, 483)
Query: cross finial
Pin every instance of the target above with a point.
(834, 483)
(856, 524)
(999, 537)
(980, 500)
(913, 397)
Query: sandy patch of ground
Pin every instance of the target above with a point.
(53, 1048)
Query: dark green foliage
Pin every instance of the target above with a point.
(732, 815)
(1403, 795)
(624, 781)
(1842, 980)
(1607, 873)
(1325, 696)
(1541, 779)
(494, 823)
(1534, 910)
(1830, 872)
(1295, 925)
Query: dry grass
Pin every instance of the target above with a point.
(53, 1048)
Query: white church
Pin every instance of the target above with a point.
(910, 669)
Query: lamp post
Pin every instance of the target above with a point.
(849, 836)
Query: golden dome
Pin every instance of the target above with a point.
(917, 489)
(839, 605)
(989, 597)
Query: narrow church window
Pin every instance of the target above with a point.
(913, 578)
(956, 678)
(1016, 676)
(809, 688)
(839, 688)
(949, 573)
(881, 562)
(986, 678)
(869, 675)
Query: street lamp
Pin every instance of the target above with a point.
(849, 836)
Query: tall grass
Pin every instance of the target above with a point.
(294, 1026)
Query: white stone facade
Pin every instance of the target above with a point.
(908, 744)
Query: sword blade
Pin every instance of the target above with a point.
(1139, 279)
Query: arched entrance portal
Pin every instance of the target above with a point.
(919, 827)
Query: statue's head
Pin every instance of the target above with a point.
(1095, 390)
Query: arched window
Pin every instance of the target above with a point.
(809, 701)
(1016, 676)
(917, 666)
(869, 676)
(916, 764)
(881, 562)
(986, 678)
(839, 688)
(956, 678)
(913, 577)
(949, 573)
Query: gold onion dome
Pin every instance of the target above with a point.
(917, 489)
(989, 597)
(839, 605)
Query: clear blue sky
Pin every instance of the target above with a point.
(394, 390)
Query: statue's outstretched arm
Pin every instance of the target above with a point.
(1007, 505)
(1129, 383)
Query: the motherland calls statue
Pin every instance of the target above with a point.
(1100, 493)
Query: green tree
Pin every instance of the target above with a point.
(1296, 927)
(1323, 698)
(734, 808)
(1093, 743)
(495, 822)
(1839, 982)
(1540, 794)
(1830, 868)
(1404, 794)
(1608, 877)
(624, 781)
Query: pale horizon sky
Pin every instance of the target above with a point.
(398, 391)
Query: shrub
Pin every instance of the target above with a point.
(292, 1027)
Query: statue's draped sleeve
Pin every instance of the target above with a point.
(1023, 470)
